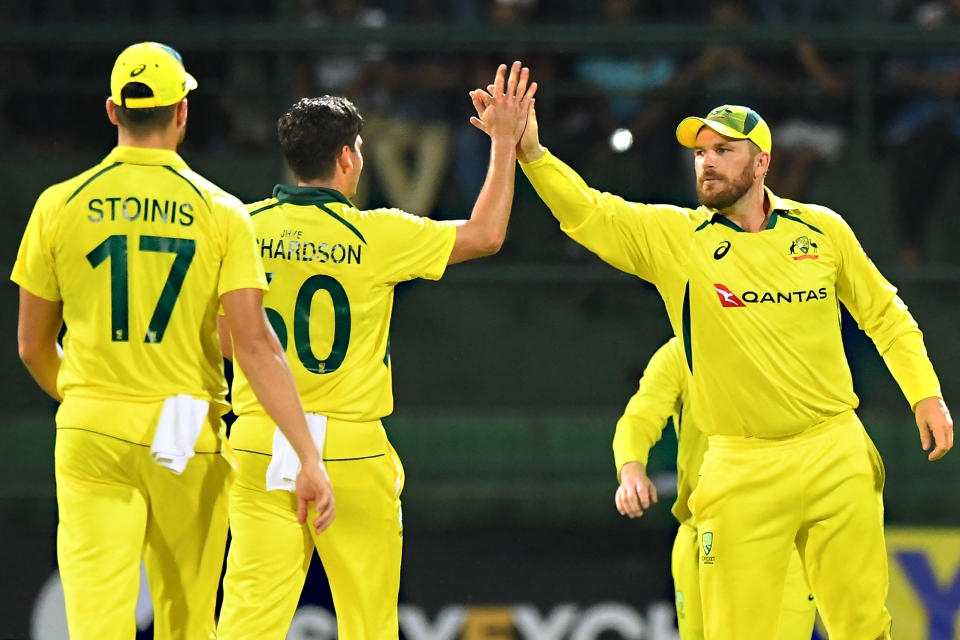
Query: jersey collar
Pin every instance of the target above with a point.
(776, 204)
(308, 195)
(146, 155)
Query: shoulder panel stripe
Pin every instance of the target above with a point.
(343, 222)
(91, 179)
(179, 175)
(806, 224)
(264, 208)
(702, 225)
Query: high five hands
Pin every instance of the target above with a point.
(509, 110)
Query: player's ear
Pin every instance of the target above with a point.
(112, 111)
(762, 161)
(345, 159)
(181, 113)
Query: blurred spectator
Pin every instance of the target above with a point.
(813, 131)
(412, 139)
(923, 133)
(803, 10)
(246, 99)
(511, 11)
(725, 73)
(627, 99)
(353, 74)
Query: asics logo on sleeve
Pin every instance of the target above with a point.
(721, 250)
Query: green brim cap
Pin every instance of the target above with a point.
(732, 121)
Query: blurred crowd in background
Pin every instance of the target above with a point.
(609, 114)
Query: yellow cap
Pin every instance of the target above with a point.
(728, 120)
(156, 65)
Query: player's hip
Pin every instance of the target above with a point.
(357, 455)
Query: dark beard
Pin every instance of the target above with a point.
(731, 194)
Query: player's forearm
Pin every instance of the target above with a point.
(483, 234)
(563, 190)
(900, 342)
(493, 206)
(43, 363)
(633, 440)
(907, 360)
(266, 368)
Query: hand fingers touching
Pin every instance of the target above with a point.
(936, 427)
(313, 486)
(633, 498)
(504, 107)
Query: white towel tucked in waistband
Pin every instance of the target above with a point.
(179, 426)
(284, 463)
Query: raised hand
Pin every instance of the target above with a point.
(505, 110)
(528, 143)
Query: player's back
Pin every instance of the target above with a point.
(135, 248)
(332, 270)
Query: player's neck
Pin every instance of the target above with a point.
(337, 183)
(751, 212)
(166, 139)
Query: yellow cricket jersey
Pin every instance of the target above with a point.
(757, 313)
(139, 249)
(662, 394)
(332, 270)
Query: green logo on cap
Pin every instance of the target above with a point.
(739, 119)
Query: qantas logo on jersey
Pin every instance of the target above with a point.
(730, 299)
(727, 297)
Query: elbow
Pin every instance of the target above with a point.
(29, 352)
(253, 347)
(492, 243)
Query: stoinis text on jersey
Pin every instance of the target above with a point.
(336, 253)
(133, 209)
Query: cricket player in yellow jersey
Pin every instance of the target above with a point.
(136, 255)
(332, 271)
(662, 395)
(752, 285)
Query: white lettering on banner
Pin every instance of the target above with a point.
(660, 618)
(553, 627)
(610, 617)
(313, 623)
(563, 622)
(416, 626)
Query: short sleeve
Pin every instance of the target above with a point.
(241, 267)
(34, 269)
(419, 247)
